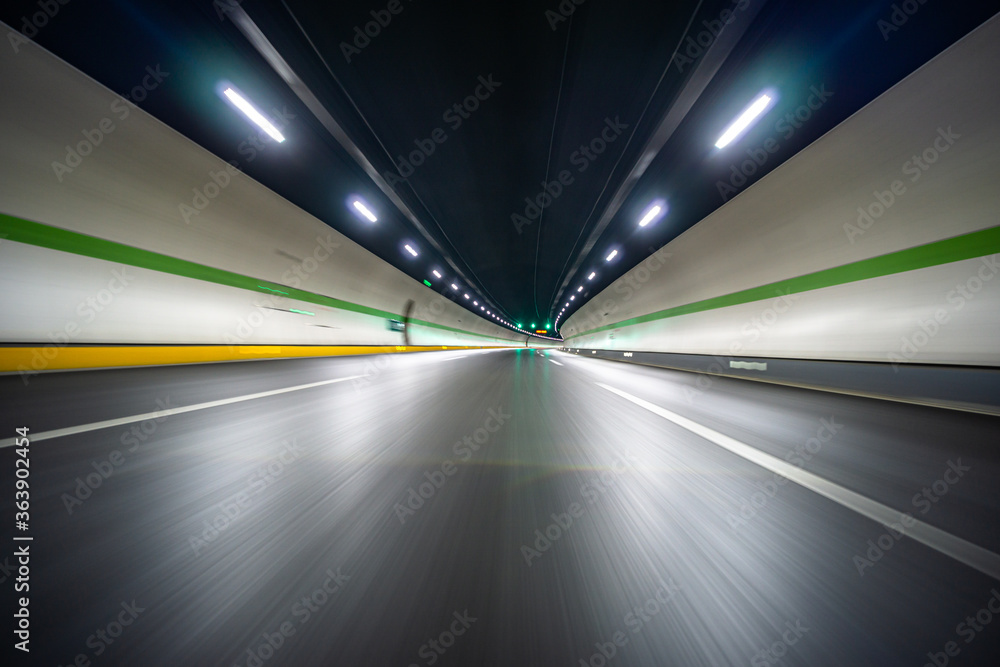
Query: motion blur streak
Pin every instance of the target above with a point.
(985, 561)
(578, 525)
(494, 359)
(108, 423)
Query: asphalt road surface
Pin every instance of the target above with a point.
(494, 508)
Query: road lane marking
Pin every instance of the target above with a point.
(108, 423)
(555, 362)
(961, 550)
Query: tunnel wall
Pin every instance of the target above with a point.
(850, 250)
(103, 252)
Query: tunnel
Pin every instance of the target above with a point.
(552, 332)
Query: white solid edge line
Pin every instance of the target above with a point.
(961, 550)
(107, 423)
(555, 362)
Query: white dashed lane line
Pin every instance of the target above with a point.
(961, 550)
(108, 423)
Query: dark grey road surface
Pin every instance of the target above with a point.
(490, 508)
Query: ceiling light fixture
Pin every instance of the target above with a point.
(251, 112)
(650, 216)
(743, 121)
(364, 211)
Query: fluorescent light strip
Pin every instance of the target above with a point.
(364, 211)
(410, 250)
(648, 218)
(254, 115)
(741, 123)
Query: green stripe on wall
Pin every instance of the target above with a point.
(54, 238)
(967, 246)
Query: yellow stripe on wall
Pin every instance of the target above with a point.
(55, 357)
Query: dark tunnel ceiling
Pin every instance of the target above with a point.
(558, 83)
